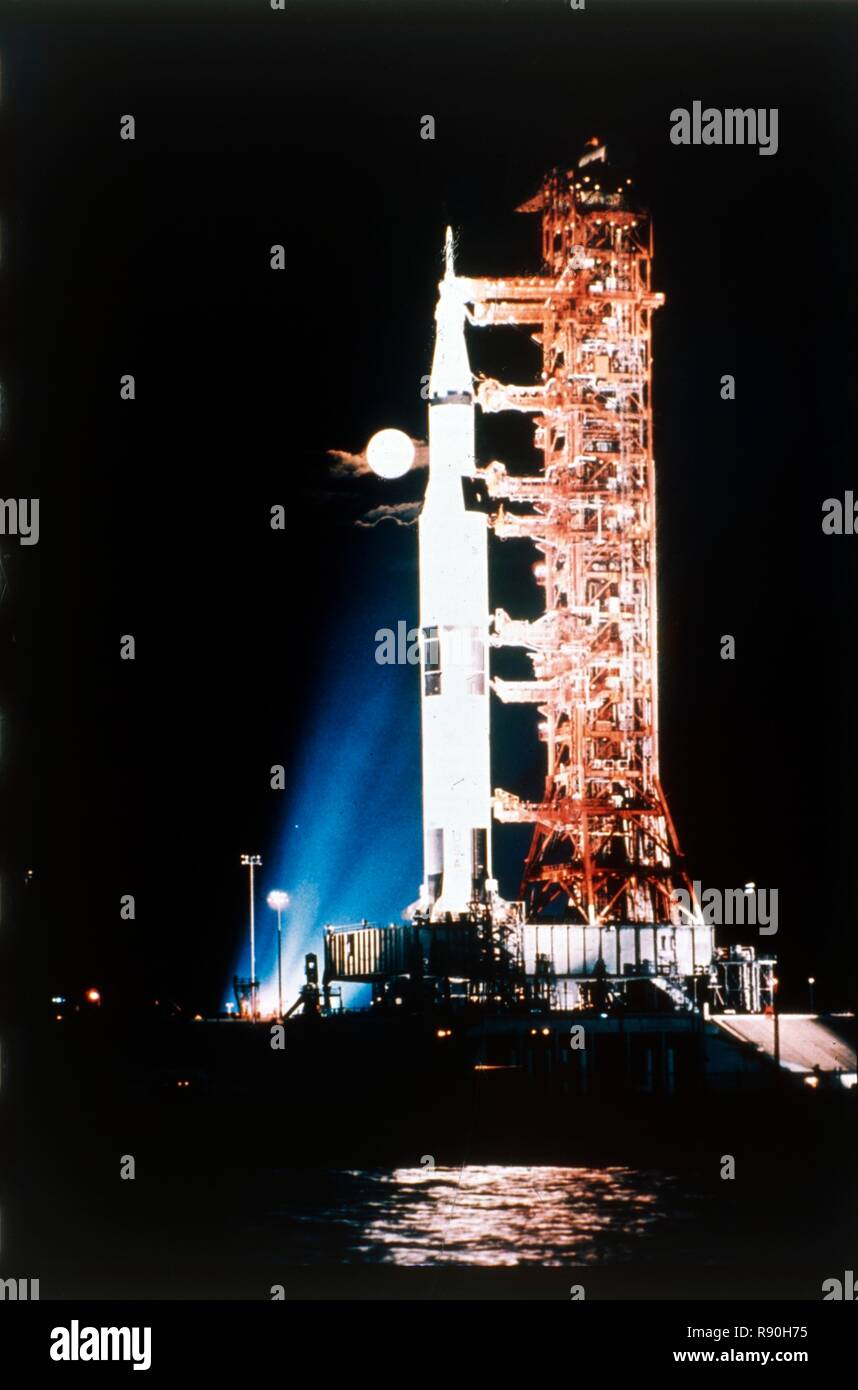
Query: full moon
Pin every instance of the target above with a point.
(390, 453)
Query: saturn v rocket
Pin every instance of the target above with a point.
(454, 607)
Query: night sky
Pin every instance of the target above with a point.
(256, 647)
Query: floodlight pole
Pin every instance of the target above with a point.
(252, 861)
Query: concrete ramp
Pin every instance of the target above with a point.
(806, 1042)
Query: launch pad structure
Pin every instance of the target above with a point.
(599, 919)
(603, 838)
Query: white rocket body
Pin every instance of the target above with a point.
(454, 608)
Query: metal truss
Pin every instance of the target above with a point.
(603, 838)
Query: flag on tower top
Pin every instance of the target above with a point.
(592, 151)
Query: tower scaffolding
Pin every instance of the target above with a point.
(600, 925)
(603, 838)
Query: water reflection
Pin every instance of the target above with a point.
(483, 1215)
(495, 1215)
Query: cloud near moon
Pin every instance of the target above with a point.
(401, 514)
(346, 465)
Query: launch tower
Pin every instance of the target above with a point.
(607, 915)
(603, 841)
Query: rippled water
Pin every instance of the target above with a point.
(483, 1215)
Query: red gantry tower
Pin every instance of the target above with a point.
(607, 913)
(603, 841)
